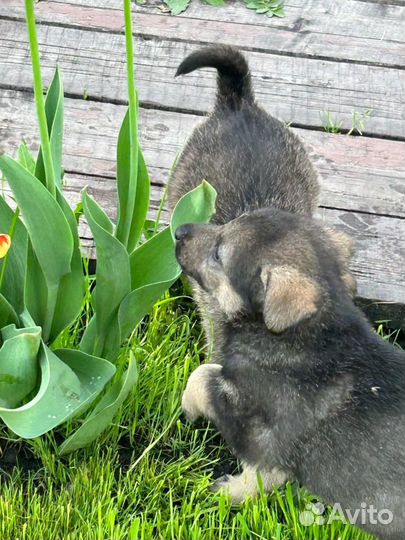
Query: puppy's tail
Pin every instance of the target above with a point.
(234, 80)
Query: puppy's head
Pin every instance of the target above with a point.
(271, 263)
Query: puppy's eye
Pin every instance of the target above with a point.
(216, 255)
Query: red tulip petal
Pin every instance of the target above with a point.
(5, 243)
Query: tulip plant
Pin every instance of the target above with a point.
(43, 282)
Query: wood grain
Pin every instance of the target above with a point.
(380, 242)
(91, 130)
(347, 30)
(293, 89)
(380, 252)
(357, 173)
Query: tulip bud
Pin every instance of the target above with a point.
(5, 243)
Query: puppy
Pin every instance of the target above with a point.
(252, 159)
(300, 386)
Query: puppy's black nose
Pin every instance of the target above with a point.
(182, 232)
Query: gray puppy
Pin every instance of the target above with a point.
(252, 159)
(301, 386)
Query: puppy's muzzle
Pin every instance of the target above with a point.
(182, 235)
(183, 232)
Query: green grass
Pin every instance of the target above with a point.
(332, 124)
(148, 476)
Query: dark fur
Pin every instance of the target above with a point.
(306, 386)
(252, 159)
(325, 399)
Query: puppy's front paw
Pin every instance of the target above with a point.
(196, 401)
(231, 486)
(241, 486)
(220, 484)
(190, 410)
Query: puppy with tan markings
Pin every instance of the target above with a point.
(300, 385)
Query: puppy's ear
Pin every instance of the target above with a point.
(289, 297)
(344, 246)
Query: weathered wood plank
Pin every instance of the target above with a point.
(291, 88)
(380, 243)
(345, 30)
(90, 138)
(357, 173)
(380, 252)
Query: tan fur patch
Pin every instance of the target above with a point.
(289, 297)
(244, 485)
(350, 283)
(202, 300)
(343, 243)
(195, 401)
(345, 250)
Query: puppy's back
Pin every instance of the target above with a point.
(252, 159)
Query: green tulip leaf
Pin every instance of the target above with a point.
(139, 303)
(72, 286)
(89, 337)
(112, 339)
(93, 372)
(196, 206)
(47, 226)
(36, 289)
(113, 279)
(98, 215)
(103, 414)
(54, 115)
(18, 364)
(7, 314)
(154, 260)
(14, 277)
(71, 289)
(63, 392)
(142, 201)
(48, 230)
(133, 203)
(26, 158)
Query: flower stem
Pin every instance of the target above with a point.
(133, 120)
(39, 97)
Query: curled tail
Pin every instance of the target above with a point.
(234, 80)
